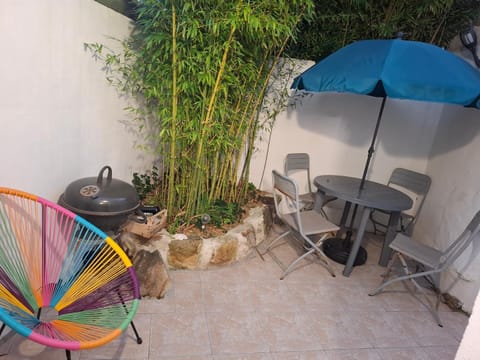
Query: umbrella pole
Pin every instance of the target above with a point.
(371, 150)
(336, 248)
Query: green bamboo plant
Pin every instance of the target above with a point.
(199, 71)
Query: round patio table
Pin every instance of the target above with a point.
(372, 196)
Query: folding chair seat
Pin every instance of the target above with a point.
(300, 162)
(63, 282)
(303, 225)
(413, 184)
(428, 262)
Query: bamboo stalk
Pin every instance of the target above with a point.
(172, 162)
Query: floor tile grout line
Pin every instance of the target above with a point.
(149, 338)
(204, 305)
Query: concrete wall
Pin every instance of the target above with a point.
(60, 120)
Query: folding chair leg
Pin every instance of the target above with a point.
(321, 255)
(433, 309)
(376, 225)
(292, 264)
(385, 282)
(313, 250)
(274, 242)
(271, 246)
(319, 252)
(310, 248)
(387, 272)
(324, 214)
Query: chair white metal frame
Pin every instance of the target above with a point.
(302, 224)
(301, 162)
(413, 184)
(430, 263)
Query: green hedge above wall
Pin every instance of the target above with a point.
(338, 23)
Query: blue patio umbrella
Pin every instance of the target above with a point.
(390, 68)
(394, 68)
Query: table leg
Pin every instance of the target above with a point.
(389, 236)
(319, 201)
(346, 211)
(357, 242)
(343, 220)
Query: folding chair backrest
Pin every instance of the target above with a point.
(296, 162)
(413, 184)
(286, 190)
(470, 234)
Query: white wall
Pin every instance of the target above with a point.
(454, 196)
(336, 130)
(60, 120)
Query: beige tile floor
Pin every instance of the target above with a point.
(243, 311)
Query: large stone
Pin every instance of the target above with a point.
(225, 252)
(184, 254)
(151, 273)
(148, 263)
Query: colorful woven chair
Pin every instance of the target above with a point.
(63, 282)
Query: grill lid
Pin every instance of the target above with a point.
(100, 195)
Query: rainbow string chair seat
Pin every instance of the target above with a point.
(54, 262)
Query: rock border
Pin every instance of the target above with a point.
(152, 258)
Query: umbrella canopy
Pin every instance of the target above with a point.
(394, 68)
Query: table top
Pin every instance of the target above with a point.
(373, 195)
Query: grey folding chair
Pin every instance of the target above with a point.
(296, 162)
(411, 183)
(429, 263)
(303, 225)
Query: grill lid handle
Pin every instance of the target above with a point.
(109, 175)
